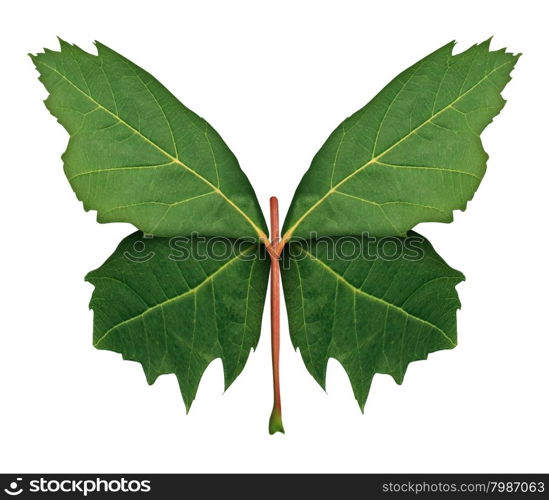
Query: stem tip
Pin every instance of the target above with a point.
(275, 422)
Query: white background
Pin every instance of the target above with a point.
(274, 78)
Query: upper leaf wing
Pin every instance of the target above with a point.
(174, 305)
(372, 310)
(413, 154)
(136, 154)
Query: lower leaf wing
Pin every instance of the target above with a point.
(374, 310)
(176, 304)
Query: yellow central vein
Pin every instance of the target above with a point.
(373, 160)
(377, 299)
(119, 169)
(262, 236)
(166, 302)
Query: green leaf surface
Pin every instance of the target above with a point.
(174, 305)
(136, 154)
(413, 154)
(372, 311)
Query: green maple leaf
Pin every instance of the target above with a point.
(372, 314)
(412, 154)
(136, 154)
(175, 312)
